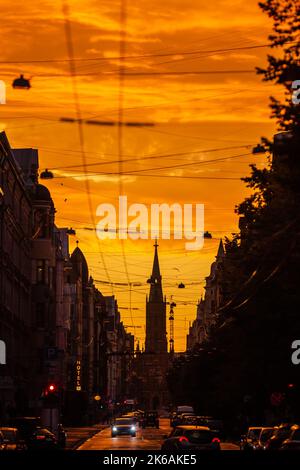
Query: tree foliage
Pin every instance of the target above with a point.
(261, 272)
(284, 67)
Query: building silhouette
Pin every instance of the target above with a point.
(57, 327)
(208, 306)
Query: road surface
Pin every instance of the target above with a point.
(146, 439)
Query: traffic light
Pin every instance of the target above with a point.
(51, 396)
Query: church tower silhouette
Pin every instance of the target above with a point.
(156, 335)
(151, 365)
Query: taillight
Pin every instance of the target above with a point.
(183, 439)
(216, 439)
(40, 438)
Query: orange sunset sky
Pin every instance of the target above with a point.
(220, 111)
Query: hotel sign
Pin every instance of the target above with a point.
(78, 376)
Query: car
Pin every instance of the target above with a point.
(249, 441)
(26, 426)
(138, 414)
(192, 420)
(12, 439)
(123, 426)
(187, 415)
(281, 434)
(176, 416)
(184, 409)
(175, 420)
(2, 443)
(180, 418)
(131, 416)
(150, 419)
(293, 441)
(214, 424)
(43, 439)
(186, 438)
(265, 434)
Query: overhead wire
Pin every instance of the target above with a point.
(124, 57)
(70, 49)
(161, 156)
(122, 47)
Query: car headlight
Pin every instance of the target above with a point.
(133, 428)
(114, 428)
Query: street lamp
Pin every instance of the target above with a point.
(46, 175)
(21, 83)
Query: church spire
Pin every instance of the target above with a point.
(155, 269)
(156, 293)
(156, 339)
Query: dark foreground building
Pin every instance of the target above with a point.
(56, 326)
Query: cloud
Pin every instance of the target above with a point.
(190, 112)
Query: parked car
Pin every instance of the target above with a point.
(293, 441)
(2, 444)
(26, 426)
(191, 438)
(215, 425)
(12, 439)
(123, 426)
(43, 439)
(131, 416)
(265, 434)
(178, 419)
(176, 416)
(150, 419)
(184, 409)
(249, 441)
(280, 435)
(190, 420)
(138, 415)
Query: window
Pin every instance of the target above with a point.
(199, 436)
(254, 433)
(266, 434)
(177, 432)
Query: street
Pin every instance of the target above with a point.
(146, 439)
(76, 436)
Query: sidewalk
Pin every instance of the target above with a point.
(76, 436)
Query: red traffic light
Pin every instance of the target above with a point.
(51, 388)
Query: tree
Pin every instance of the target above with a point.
(261, 274)
(262, 261)
(284, 68)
